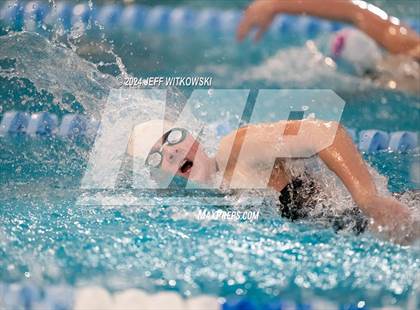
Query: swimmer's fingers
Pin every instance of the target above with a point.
(243, 29)
(261, 31)
(258, 15)
(247, 24)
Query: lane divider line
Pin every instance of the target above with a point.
(73, 126)
(34, 14)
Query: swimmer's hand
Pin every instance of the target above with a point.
(390, 218)
(259, 15)
(415, 52)
(384, 29)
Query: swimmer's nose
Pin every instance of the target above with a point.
(172, 154)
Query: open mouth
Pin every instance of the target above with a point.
(186, 166)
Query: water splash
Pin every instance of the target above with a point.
(305, 66)
(146, 247)
(55, 69)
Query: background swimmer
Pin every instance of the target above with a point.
(179, 153)
(399, 69)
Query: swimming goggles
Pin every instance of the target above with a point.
(172, 137)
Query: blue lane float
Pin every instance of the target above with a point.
(136, 18)
(29, 296)
(402, 141)
(64, 297)
(14, 122)
(373, 140)
(42, 123)
(74, 126)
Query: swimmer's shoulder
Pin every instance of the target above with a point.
(232, 142)
(258, 131)
(226, 145)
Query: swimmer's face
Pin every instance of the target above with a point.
(185, 158)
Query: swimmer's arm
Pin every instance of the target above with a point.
(264, 143)
(384, 29)
(389, 216)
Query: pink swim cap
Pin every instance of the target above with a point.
(355, 48)
(338, 43)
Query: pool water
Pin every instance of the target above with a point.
(47, 237)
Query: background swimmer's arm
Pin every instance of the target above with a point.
(384, 29)
(262, 143)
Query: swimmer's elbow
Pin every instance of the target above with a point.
(321, 126)
(322, 133)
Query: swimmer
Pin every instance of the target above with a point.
(398, 69)
(177, 152)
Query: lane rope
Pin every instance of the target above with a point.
(73, 126)
(33, 15)
(64, 297)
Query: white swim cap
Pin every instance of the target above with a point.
(145, 135)
(356, 48)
